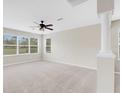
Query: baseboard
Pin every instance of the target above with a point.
(72, 64)
(6, 65)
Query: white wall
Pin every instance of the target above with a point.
(77, 46)
(115, 39)
(23, 58)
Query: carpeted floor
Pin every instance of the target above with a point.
(47, 77)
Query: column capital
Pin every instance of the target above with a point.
(110, 12)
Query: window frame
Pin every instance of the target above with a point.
(14, 45)
(23, 45)
(48, 45)
(17, 45)
(118, 56)
(34, 45)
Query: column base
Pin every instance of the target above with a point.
(105, 72)
(108, 54)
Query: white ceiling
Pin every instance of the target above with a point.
(20, 14)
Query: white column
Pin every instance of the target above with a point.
(106, 31)
(105, 63)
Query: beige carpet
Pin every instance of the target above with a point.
(46, 77)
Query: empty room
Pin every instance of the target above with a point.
(61, 46)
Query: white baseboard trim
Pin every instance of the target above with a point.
(6, 65)
(72, 64)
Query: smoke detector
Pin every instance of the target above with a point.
(76, 2)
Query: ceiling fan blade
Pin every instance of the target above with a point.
(49, 25)
(36, 23)
(49, 28)
(41, 29)
(33, 26)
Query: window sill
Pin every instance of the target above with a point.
(26, 54)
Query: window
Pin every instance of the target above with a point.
(33, 45)
(48, 45)
(13, 45)
(9, 44)
(23, 45)
(119, 45)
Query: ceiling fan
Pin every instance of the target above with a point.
(41, 26)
